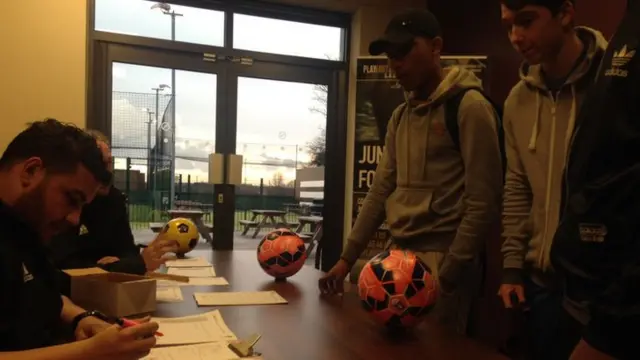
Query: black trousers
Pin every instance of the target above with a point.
(551, 332)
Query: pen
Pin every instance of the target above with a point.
(125, 323)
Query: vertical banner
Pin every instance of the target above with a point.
(377, 95)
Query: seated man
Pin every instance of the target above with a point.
(47, 173)
(103, 236)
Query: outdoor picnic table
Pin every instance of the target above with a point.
(266, 219)
(196, 217)
(315, 237)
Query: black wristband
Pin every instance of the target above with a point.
(76, 320)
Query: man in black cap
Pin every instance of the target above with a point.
(441, 189)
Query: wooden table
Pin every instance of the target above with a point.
(315, 328)
(196, 217)
(265, 219)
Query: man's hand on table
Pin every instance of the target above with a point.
(154, 254)
(333, 282)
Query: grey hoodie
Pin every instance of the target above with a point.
(538, 130)
(437, 197)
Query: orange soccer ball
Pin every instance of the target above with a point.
(281, 253)
(397, 288)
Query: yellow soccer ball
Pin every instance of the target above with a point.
(182, 230)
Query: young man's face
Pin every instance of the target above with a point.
(535, 32)
(415, 62)
(52, 203)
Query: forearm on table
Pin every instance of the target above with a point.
(72, 351)
(69, 310)
(132, 264)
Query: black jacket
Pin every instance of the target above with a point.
(104, 230)
(597, 244)
(29, 295)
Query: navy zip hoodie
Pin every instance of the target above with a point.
(597, 245)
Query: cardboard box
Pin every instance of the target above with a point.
(114, 294)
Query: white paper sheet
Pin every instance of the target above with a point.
(169, 294)
(195, 281)
(188, 262)
(193, 271)
(211, 351)
(195, 329)
(239, 298)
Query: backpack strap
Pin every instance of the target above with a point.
(400, 115)
(452, 110)
(451, 114)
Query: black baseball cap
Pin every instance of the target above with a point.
(405, 27)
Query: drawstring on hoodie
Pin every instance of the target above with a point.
(552, 145)
(534, 132)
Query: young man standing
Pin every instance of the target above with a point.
(47, 173)
(539, 116)
(441, 200)
(597, 245)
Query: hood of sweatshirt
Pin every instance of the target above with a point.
(541, 125)
(533, 77)
(455, 79)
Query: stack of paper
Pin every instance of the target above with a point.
(196, 329)
(195, 281)
(168, 294)
(239, 298)
(199, 272)
(211, 351)
(188, 262)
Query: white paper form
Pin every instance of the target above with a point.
(201, 272)
(211, 351)
(169, 294)
(239, 298)
(194, 281)
(188, 262)
(194, 329)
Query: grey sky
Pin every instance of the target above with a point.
(273, 116)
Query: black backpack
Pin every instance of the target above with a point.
(451, 109)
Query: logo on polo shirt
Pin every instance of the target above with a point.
(83, 230)
(26, 275)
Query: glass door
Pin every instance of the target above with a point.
(280, 131)
(163, 126)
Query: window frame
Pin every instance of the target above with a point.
(336, 131)
(245, 7)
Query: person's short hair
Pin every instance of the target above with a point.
(61, 146)
(98, 135)
(553, 5)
